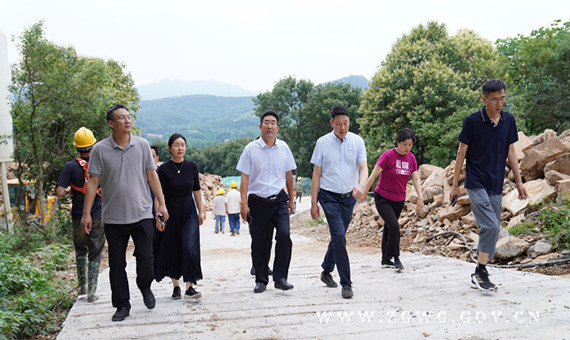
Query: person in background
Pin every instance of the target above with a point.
(395, 167)
(220, 210)
(298, 189)
(177, 242)
(123, 164)
(233, 205)
(73, 180)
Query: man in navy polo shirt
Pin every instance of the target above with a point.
(486, 140)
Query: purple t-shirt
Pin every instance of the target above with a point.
(396, 170)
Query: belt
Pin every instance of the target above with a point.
(265, 199)
(345, 195)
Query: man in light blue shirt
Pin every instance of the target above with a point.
(266, 165)
(339, 178)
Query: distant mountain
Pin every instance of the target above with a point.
(355, 81)
(203, 120)
(174, 88)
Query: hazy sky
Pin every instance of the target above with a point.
(253, 44)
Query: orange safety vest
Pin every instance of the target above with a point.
(84, 165)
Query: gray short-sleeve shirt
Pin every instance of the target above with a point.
(125, 195)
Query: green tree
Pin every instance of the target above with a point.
(219, 159)
(317, 114)
(54, 92)
(429, 82)
(539, 73)
(287, 98)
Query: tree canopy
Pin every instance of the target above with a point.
(428, 82)
(539, 74)
(54, 92)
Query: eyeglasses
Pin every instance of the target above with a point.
(123, 118)
(497, 100)
(269, 123)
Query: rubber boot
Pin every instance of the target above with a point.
(93, 275)
(81, 262)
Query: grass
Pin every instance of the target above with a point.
(34, 299)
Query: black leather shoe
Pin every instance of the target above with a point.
(121, 314)
(347, 292)
(148, 298)
(326, 277)
(283, 284)
(260, 287)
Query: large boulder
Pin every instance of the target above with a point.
(539, 248)
(453, 213)
(543, 137)
(537, 190)
(553, 176)
(563, 191)
(509, 247)
(532, 165)
(560, 164)
(426, 170)
(435, 179)
(523, 143)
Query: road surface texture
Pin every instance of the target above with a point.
(431, 298)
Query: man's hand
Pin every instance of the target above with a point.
(162, 211)
(523, 195)
(244, 211)
(314, 211)
(359, 193)
(291, 207)
(86, 223)
(454, 192)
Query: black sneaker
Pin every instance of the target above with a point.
(191, 293)
(388, 264)
(176, 293)
(347, 292)
(480, 280)
(398, 265)
(326, 277)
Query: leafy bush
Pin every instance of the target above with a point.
(32, 298)
(522, 228)
(556, 223)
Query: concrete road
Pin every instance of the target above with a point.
(429, 299)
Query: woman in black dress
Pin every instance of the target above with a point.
(177, 242)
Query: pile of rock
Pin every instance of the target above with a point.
(210, 184)
(545, 167)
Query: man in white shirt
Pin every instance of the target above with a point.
(266, 165)
(234, 201)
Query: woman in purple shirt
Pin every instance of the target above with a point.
(395, 167)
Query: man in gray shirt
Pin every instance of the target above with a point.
(123, 165)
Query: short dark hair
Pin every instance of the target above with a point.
(492, 85)
(155, 148)
(111, 111)
(339, 110)
(404, 134)
(174, 137)
(269, 113)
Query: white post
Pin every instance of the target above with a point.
(6, 145)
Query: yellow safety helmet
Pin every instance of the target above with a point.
(83, 138)
(233, 184)
(221, 192)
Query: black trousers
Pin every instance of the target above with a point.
(265, 215)
(118, 238)
(390, 212)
